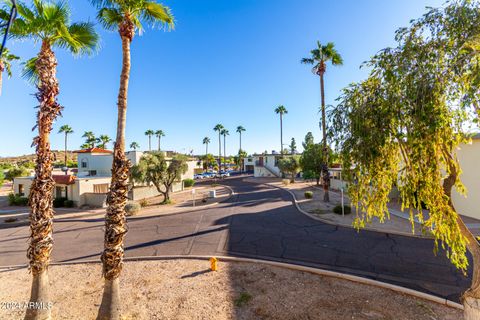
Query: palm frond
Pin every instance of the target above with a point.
(109, 18)
(29, 71)
(80, 38)
(154, 13)
(307, 61)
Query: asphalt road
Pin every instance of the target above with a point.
(258, 221)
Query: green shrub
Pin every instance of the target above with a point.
(188, 183)
(59, 202)
(16, 172)
(132, 208)
(68, 204)
(308, 194)
(308, 175)
(17, 200)
(338, 209)
(2, 177)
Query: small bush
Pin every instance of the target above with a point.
(132, 208)
(59, 202)
(68, 204)
(17, 200)
(243, 299)
(188, 183)
(338, 209)
(308, 194)
(9, 220)
(143, 203)
(286, 182)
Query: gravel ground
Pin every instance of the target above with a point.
(186, 289)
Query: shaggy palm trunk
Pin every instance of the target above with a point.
(325, 173)
(115, 222)
(471, 297)
(41, 191)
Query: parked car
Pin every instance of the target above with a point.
(198, 176)
(207, 175)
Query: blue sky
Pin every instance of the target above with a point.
(228, 62)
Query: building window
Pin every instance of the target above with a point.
(250, 160)
(84, 163)
(20, 190)
(100, 188)
(92, 172)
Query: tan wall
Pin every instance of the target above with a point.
(95, 199)
(469, 158)
(144, 192)
(25, 181)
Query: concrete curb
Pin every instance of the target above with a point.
(321, 272)
(295, 202)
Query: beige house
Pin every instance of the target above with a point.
(89, 183)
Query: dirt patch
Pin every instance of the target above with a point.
(186, 289)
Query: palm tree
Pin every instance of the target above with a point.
(5, 65)
(159, 134)
(103, 140)
(90, 139)
(319, 58)
(149, 133)
(65, 129)
(219, 129)
(49, 24)
(240, 129)
(134, 145)
(206, 141)
(126, 17)
(224, 133)
(281, 110)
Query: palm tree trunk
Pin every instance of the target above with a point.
(41, 191)
(219, 152)
(115, 222)
(66, 152)
(325, 173)
(281, 135)
(224, 153)
(149, 143)
(158, 143)
(471, 298)
(240, 140)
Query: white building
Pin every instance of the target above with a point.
(89, 184)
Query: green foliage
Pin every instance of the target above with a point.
(243, 299)
(16, 172)
(209, 161)
(308, 140)
(290, 166)
(90, 140)
(293, 146)
(308, 174)
(188, 183)
(132, 208)
(6, 166)
(59, 202)
(134, 145)
(321, 55)
(17, 200)
(2, 178)
(68, 203)
(308, 194)
(155, 169)
(404, 123)
(312, 159)
(281, 110)
(338, 209)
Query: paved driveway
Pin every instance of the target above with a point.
(259, 221)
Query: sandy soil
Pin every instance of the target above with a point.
(186, 289)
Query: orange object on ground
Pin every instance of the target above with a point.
(213, 264)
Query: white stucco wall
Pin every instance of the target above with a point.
(100, 162)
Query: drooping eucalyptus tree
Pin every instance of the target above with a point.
(402, 126)
(128, 18)
(47, 23)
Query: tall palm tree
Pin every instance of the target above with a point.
(66, 129)
(240, 129)
(126, 17)
(49, 24)
(134, 145)
(103, 140)
(159, 134)
(219, 129)
(224, 133)
(206, 141)
(90, 138)
(5, 65)
(281, 110)
(149, 133)
(319, 58)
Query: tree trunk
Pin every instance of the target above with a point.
(219, 152)
(240, 140)
(41, 190)
(471, 297)
(318, 180)
(115, 222)
(224, 153)
(326, 175)
(149, 143)
(66, 152)
(281, 135)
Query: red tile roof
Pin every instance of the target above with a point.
(64, 179)
(93, 150)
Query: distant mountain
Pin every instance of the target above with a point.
(58, 155)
